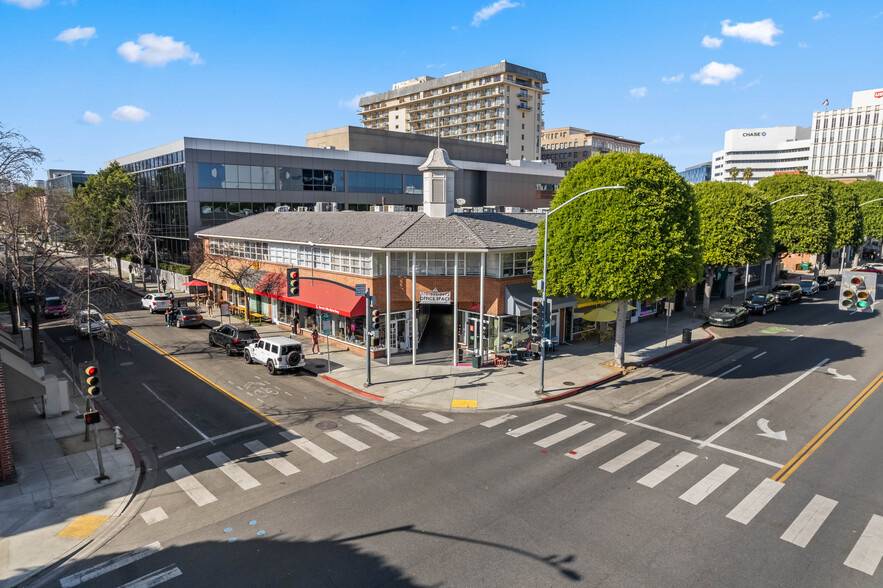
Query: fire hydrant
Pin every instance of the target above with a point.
(117, 438)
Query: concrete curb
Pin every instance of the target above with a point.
(665, 356)
(567, 393)
(353, 389)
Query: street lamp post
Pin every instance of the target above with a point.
(545, 320)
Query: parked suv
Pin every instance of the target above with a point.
(232, 338)
(279, 354)
(156, 303)
(787, 293)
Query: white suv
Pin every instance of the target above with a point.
(279, 354)
(156, 303)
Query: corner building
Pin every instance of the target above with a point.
(847, 143)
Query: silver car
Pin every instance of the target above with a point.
(809, 287)
(93, 322)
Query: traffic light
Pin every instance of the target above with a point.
(92, 417)
(536, 311)
(292, 287)
(375, 318)
(92, 384)
(858, 291)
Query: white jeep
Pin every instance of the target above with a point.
(279, 354)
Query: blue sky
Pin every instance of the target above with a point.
(87, 81)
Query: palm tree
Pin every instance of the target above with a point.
(734, 172)
(747, 175)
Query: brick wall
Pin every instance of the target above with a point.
(7, 469)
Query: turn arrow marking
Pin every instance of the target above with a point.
(764, 425)
(837, 376)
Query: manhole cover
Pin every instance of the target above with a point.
(326, 425)
(569, 384)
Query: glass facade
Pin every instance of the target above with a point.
(317, 180)
(250, 177)
(372, 183)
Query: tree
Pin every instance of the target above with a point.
(736, 227)
(747, 174)
(18, 159)
(847, 217)
(137, 223)
(231, 269)
(734, 172)
(638, 243)
(800, 225)
(872, 214)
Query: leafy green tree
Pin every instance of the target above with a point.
(848, 217)
(641, 242)
(747, 174)
(736, 227)
(872, 214)
(94, 213)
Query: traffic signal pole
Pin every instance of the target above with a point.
(369, 307)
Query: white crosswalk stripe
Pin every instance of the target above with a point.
(233, 471)
(400, 420)
(438, 418)
(307, 447)
(190, 485)
(565, 434)
(284, 467)
(347, 440)
(371, 427)
(595, 444)
(154, 578)
(868, 550)
(755, 501)
(548, 420)
(802, 529)
(110, 565)
(664, 471)
(498, 420)
(154, 515)
(704, 487)
(620, 461)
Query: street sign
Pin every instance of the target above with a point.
(804, 266)
(326, 323)
(361, 289)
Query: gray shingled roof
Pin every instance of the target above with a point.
(386, 230)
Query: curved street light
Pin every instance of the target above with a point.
(787, 197)
(545, 320)
(869, 201)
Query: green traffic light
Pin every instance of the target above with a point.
(861, 304)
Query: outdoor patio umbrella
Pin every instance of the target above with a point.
(198, 283)
(603, 314)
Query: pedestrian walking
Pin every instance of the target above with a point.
(172, 299)
(162, 283)
(210, 302)
(296, 324)
(169, 316)
(293, 331)
(315, 340)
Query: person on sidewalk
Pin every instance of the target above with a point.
(296, 324)
(293, 331)
(315, 340)
(172, 299)
(169, 316)
(162, 284)
(210, 303)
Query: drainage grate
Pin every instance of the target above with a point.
(326, 425)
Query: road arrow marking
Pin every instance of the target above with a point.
(764, 425)
(837, 376)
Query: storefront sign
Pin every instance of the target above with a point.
(435, 297)
(225, 308)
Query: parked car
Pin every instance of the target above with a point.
(54, 307)
(156, 303)
(232, 338)
(826, 282)
(279, 354)
(787, 293)
(186, 317)
(761, 303)
(729, 316)
(868, 268)
(808, 287)
(91, 321)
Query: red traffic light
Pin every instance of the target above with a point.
(91, 370)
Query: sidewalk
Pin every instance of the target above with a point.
(55, 507)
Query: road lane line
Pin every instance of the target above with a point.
(741, 454)
(110, 565)
(233, 471)
(687, 393)
(663, 472)
(155, 578)
(347, 440)
(371, 427)
(761, 354)
(822, 436)
(595, 444)
(868, 550)
(179, 415)
(548, 420)
(704, 487)
(408, 424)
(210, 439)
(755, 501)
(498, 420)
(283, 466)
(624, 459)
(438, 418)
(190, 485)
(775, 395)
(307, 447)
(565, 434)
(796, 338)
(808, 521)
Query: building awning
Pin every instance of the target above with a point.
(518, 299)
(207, 272)
(326, 297)
(19, 377)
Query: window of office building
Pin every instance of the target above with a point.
(413, 184)
(254, 177)
(374, 183)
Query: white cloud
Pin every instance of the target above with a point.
(714, 73)
(353, 103)
(69, 36)
(155, 50)
(753, 82)
(490, 10)
(761, 31)
(90, 118)
(29, 4)
(638, 92)
(802, 45)
(820, 15)
(711, 42)
(672, 79)
(129, 113)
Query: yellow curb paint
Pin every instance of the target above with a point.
(464, 403)
(82, 526)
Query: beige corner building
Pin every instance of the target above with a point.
(501, 104)
(567, 146)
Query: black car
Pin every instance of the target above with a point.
(826, 282)
(787, 293)
(232, 338)
(728, 316)
(761, 303)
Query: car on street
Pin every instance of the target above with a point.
(808, 287)
(91, 321)
(787, 293)
(156, 303)
(761, 304)
(826, 282)
(186, 317)
(729, 316)
(233, 338)
(54, 307)
(279, 354)
(869, 268)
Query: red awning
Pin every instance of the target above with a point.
(323, 296)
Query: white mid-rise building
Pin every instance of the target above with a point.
(764, 150)
(847, 143)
